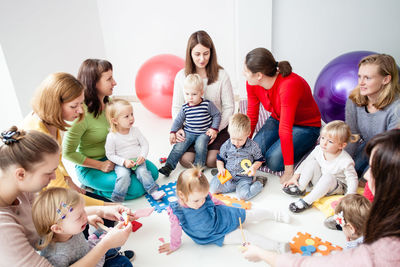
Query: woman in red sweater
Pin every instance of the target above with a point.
(295, 121)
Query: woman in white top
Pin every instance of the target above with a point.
(201, 58)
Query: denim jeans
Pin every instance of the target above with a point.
(361, 160)
(304, 139)
(200, 146)
(123, 181)
(244, 187)
(114, 259)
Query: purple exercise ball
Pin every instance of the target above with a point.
(335, 82)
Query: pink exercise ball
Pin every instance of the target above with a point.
(155, 83)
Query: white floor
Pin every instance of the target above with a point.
(145, 241)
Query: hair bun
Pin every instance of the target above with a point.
(8, 137)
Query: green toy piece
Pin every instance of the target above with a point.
(134, 167)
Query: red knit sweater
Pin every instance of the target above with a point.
(290, 102)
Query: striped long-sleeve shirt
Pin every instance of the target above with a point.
(197, 119)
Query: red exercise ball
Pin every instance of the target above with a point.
(155, 83)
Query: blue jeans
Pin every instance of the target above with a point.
(200, 146)
(114, 259)
(244, 187)
(304, 139)
(361, 160)
(123, 181)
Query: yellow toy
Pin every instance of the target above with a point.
(233, 202)
(223, 179)
(303, 242)
(245, 164)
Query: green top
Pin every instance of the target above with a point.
(86, 138)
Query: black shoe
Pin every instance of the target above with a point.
(166, 170)
(262, 179)
(299, 206)
(130, 254)
(293, 190)
(214, 171)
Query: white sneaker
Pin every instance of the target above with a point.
(157, 195)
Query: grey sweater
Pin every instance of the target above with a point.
(367, 125)
(67, 253)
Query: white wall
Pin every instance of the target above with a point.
(45, 36)
(10, 111)
(135, 31)
(310, 33)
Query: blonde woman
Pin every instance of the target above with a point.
(374, 105)
(59, 99)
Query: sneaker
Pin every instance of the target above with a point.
(262, 179)
(166, 170)
(293, 190)
(157, 195)
(214, 171)
(330, 222)
(130, 254)
(299, 206)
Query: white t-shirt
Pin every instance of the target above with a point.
(120, 147)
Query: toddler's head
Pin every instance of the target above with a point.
(351, 214)
(192, 187)
(335, 136)
(119, 113)
(193, 88)
(239, 129)
(58, 213)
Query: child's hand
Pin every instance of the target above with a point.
(117, 236)
(128, 163)
(294, 180)
(251, 171)
(94, 219)
(211, 133)
(221, 172)
(253, 253)
(172, 138)
(166, 247)
(140, 160)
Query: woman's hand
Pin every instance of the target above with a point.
(289, 171)
(106, 166)
(221, 172)
(212, 134)
(180, 135)
(117, 236)
(166, 247)
(94, 219)
(294, 180)
(114, 213)
(73, 186)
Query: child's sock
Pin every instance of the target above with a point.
(256, 214)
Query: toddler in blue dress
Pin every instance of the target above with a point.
(207, 220)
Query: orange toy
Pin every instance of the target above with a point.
(301, 240)
(225, 178)
(233, 202)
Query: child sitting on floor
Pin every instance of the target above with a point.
(351, 214)
(329, 168)
(200, 120)
(59, 218)
(232, 156)
(207, 220)
(127, 148)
